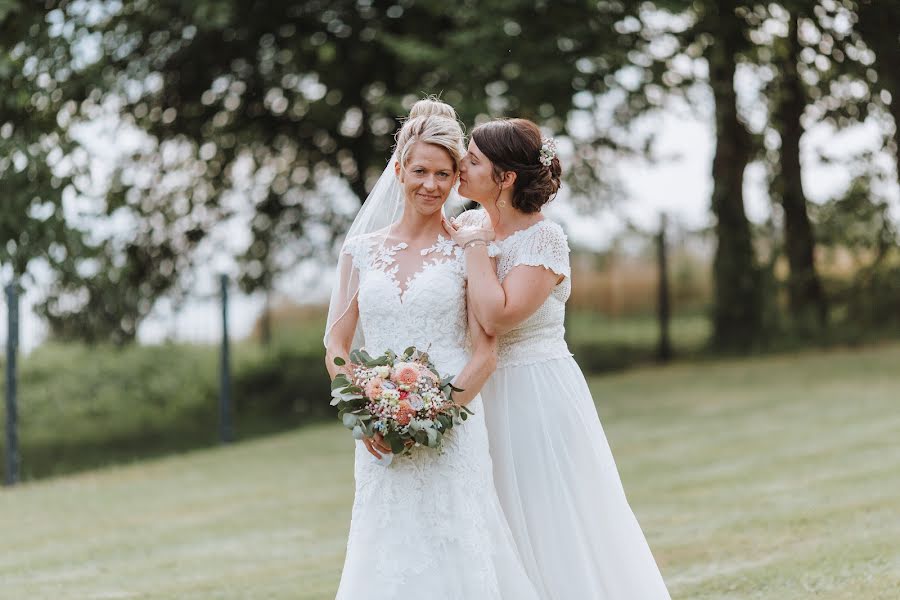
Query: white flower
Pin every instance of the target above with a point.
(392, 396)
(548, 151)
(383, 371)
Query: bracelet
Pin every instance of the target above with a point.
(474, 242)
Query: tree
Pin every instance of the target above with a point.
(878, 24)
(39, 163)
(298, 97)
(712, 33)
(737, 316)
(789, 99)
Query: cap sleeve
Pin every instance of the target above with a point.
(546, 245)
(357, 249)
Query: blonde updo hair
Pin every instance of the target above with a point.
(431, 122)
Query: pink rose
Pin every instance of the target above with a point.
(374, 389)
(406, 373)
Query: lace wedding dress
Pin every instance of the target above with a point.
(553, 468)
(428, 525)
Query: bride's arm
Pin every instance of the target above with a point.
(481, 365)
(500, 308)
(344, 307)
(340, 337)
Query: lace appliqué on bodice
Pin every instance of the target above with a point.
(542, 335)
(424, 498)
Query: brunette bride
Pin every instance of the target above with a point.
(553, 468)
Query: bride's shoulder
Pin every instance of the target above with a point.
(365, 240)
(551, 232)
(542, 234)
(368, 248)
(358, 246)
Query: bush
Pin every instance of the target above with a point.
(88, 406)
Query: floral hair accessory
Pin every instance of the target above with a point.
(548, 151)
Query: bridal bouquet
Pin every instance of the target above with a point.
(402, 397)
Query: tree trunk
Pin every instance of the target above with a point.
(806, 298)
(737, 310)
(878, 26)
(895, 112)
(266, 321)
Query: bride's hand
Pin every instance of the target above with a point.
(375, 445)
(464, 235)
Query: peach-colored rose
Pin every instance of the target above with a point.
(406, 373)
(373, 388)
(405, 413)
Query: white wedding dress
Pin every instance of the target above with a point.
(429, 525)
(553, 468)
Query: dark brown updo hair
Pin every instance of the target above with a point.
(515, 145)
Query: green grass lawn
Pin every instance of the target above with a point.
(775, 478)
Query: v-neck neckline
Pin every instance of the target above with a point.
(443, 246)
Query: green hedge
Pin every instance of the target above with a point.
(83, 407)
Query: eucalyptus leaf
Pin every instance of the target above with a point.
(396, 444)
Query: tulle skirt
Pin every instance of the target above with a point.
(430, 526)
(560, 489)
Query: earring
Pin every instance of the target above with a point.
(501, 203)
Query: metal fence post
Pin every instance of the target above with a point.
(664, 347)
(226, 431)
(12, 345)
